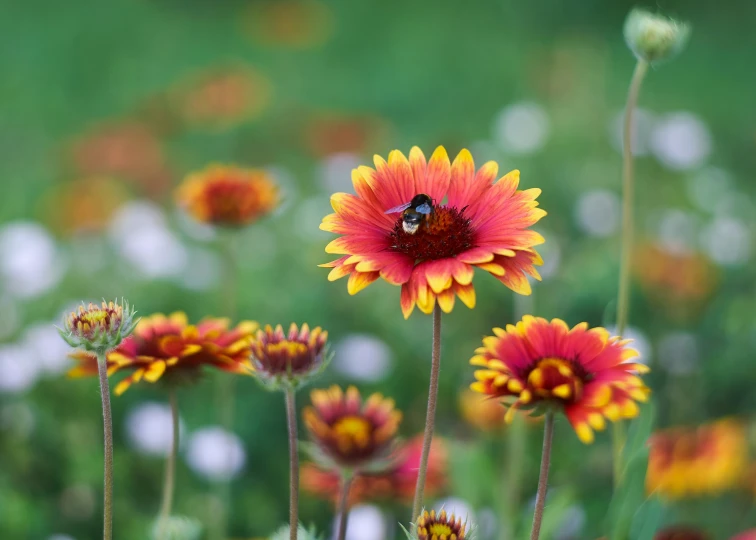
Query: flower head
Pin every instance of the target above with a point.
(228, 196)
(441, 526)
(169, 348)
(349, 433)
(483, 224)
(654, 38)
(709, 459)
(98, 328)
(583, 372)
(289, 359)
(396, 482)
(484, 414)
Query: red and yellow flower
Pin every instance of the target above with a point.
(347, 431)
(583, 372)
(289, 358)
(709, 459)
(228, 196)
(98, 328)
(170, 348)
(482, 224)
(433, 526)
(396, 482)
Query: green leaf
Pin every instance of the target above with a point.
(639, 432)
(647, 520)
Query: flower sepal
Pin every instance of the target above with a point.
(288, 380)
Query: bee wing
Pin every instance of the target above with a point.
(400, 208)
(424, 208)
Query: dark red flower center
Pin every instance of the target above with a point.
(555, 378)
(443, 234)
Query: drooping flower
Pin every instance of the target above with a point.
(98, 328)
(171, 348)
(395, 483)
(289, 359)
(583, 372)
(709, 459)
(228, 196)
(482, 224)
(349, 433)
(441, 526)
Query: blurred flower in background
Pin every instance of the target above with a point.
(171, 349)
(689, 462)
(215, 453)
(521, 128)
(127, 150)
(30, 261)
(375, 358)
(228, 196)
(328, 133)
(296, 24)
(222, 97)
(149, 428)
(481, 412)
(681, 532)
(366, 522)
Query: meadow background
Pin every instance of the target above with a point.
(104, 108)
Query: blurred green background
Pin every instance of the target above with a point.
(104, 108)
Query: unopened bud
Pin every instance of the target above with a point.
(654, 38)
(98, 328)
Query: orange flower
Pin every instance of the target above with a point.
(228, 196)
(483, 224)
(224, 98)
(709, 459)
(290, 23)
(481, 412)
(98, 328)
(397, 482)
(333, 133)
(432, 526)
(348, 432)
(582, 371)
(84, 205)
(289, 358)
(170, 348)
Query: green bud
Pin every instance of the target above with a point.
(654, 38)
(98, 328)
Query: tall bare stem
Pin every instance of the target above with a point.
(543, 477)
(107, 421)
(170, 464)
(430, 416)
(623, 298)
(343, 511)
(291, 420)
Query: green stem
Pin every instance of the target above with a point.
(343, 511)
(623, 298)
(291, 420)
(107, 418)
(543, 477)
(430, 417)
(170, 465)
(226, 385)
(516, 441)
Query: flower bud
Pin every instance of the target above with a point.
(654, 38)
(98, 328)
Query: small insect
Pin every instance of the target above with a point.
(414, 213)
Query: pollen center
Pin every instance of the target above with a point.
(443, 234)
(555, 378)
(439, 529)
(354, 428)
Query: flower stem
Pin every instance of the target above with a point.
(226, 385)
(170, 465)
(430, 417)
(623, 298)
(516, 441)
(343, 514)
(107, 420)
(291, 419)
(543, 477)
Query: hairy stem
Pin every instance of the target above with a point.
(543, 477)
(291, 419)
(107, 420)
(343, 510)
(430, 416)
(623, 297)
(170, 464)
(516, 441)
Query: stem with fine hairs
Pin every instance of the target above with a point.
(623, 297)
(291, 420)
(225, 385)
(543, 477)
(170, 465)
(430, 416)
(343, 511)
(107, 421)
